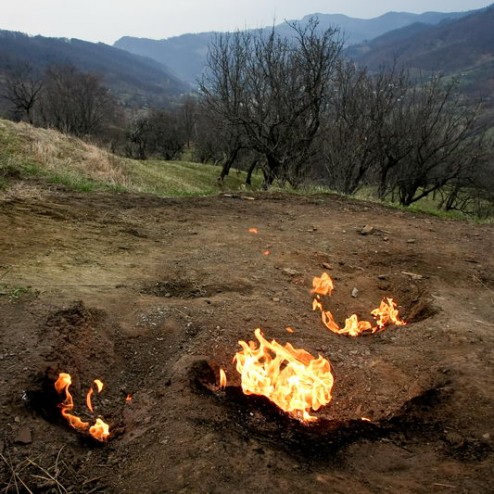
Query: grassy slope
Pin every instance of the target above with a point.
(28, 152)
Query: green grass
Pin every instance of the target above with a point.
(27, 152)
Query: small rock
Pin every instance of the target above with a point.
(454, 438)
(382, 276)
(414, 276)
(290, 271)
(23, 436)
(385, 239)
(276, 299)
(354, 292)
(411, 241)
(485, 436)
(326, 265)
(367, 230)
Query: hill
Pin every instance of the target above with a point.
(134, 79)
(461, 47)
(32, 158)
(186, 54)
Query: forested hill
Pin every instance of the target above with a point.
(461, 47)
(186, 54)
(134, 80)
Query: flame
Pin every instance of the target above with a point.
(100, 430)
(253, 230)
(266, 253)
(128, 398)
(291, 378)
(385, 314)
(322, 285)
(99, 387)
(222, 379)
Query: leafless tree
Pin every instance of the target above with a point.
(75, 102)
(22, 89)
(271, 90)
(441, 137)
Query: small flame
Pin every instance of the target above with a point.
(322, 285)
(289, 329)
(100, 430)
(253, 230)
(291, 378)
(222, 379)
(128, 398)
(99, 387)
(266, 253)
(385, 314)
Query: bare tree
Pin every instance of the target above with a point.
(75, 102)
(271, 91)
(442, 137)
(22, 89)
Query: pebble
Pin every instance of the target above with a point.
(23, 436)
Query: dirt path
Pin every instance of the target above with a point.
(150, 295)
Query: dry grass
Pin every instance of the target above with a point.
(62, 154)
(60, 159)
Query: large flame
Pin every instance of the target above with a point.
(385, 314)
(100, 430)
(291, 378)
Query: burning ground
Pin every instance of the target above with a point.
(151, 297)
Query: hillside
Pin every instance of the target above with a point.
(134, 79)
(32, 159)
(186, 54)
(461, 47)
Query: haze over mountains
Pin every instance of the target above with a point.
(146, 72)
(186, 54)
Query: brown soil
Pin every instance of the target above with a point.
(151, 295)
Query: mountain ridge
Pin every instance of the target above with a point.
(186, 54)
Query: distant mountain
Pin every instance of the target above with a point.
(186, 55)
(462, 47)
(133, 79)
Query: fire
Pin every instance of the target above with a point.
(99, 387)
(253, 230)
(100, 430)
(385, 314)
(322, 285)
(291, 378)
(222, 379)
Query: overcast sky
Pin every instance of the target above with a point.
(108, 20)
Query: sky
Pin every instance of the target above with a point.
(109, 20)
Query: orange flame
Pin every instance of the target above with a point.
(253, 230)
(128, 398)
(99, 387)
(222, 379)
(385, 314)
(322, 285)
(266, 253)
(100, 430)
(291, 378)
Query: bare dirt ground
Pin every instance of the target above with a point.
(151, 295)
